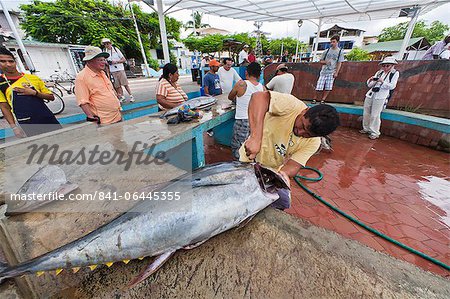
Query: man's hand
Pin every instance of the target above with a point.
(380, 80)
(252, 147)
(19, 132)
(335, 74)
(285, 178)
(26, 91)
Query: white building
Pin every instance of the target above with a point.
(5, 29)
(49, 58)
(349, 38)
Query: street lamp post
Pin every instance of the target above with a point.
(299, 24)
(147, 69)
(27, 58)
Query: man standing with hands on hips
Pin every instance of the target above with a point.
(331, 59)
(117, 69)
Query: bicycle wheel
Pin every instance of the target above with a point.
(73, 89)
(55, 90)
(56, 106)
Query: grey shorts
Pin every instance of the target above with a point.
(241, 131)
(120, 79)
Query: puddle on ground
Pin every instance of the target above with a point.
(436, 191)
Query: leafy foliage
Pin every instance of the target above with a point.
(197, 16)
(358, 54)
(288, 43)
(432, 33)
(88, 21)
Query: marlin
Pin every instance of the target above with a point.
(211, 201)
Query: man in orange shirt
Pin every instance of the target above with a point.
(94, 91)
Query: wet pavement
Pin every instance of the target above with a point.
(398, 188)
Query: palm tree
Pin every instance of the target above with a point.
(197, 16)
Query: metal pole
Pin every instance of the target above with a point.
(27, 58)
(409, 31)
(147, 69)
(316, 44)
(162, 28)
(299, 24)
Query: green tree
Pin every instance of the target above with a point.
(88, 21)
(197, 22)
(433, 32)
(207, 44)
(358, 54)
(288, 43)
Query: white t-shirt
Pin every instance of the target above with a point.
(242, 56)
(242, 102)
(114, 55)
(227, 78)
(282, 83)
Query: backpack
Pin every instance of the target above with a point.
(328, 50)
(391, 92)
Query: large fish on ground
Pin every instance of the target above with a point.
(212, 200)
(195, 103)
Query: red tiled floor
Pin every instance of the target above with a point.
(386, 183)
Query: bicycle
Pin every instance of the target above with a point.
(57, 105)
(55, 86)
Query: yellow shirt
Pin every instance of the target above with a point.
(27, 79)
(96, 90)
(279, 143)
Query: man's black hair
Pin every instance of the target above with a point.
(227, 59)
(4, 51)
(324, 119)
(335, 37)
(254, 70)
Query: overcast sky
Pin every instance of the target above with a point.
(284, 29)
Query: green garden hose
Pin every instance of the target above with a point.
(297, 179)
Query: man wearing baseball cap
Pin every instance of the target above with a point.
(94, 91)
(211, 82)
(243, 56)
(283, 81)
(116, 68)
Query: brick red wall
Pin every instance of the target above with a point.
(422, 83)
(410, 133)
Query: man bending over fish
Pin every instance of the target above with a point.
(284, 134)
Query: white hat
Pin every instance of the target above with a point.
(105, 40)
(93, 52)
(246, 46)
(389, 60)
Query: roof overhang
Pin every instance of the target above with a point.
(287, 10)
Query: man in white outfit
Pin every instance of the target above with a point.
(283, 81)
(243, 56)
(227, 75)
(381, 86)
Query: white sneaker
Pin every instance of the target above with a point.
(122, 99)
(131, 99)
(363, 132)
(372, 136)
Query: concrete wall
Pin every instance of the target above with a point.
(424, 86)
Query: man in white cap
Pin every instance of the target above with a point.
(381, 85)
(243, 56)
(94, 91)
(116, 68)
(283, 81)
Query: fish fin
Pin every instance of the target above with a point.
(152, 268)
(141, 258)
(126, 261)
(92, 267)
(109, 264)
(58, 271)
(192, 246)
(245, 222)
(39, 273)
(75, 269)
(67, 188)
